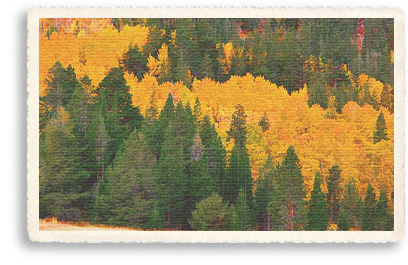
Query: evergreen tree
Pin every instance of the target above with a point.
(211, 214)
(351, 208)
(134, 62)
(290, 193)
(241, 217)
(182, 70)
(239, 174)
(206, 68)
(264, 123)
(157, 132)
(238, 128)
(383, 220)
(119, 114)
(380, 132)
(156, 220)
(316, 90)
(64, 192)
(172, 179)
(318, 215)
(333, 195)
(263, 195)
(369, 217)
(61, 84)
(343, 222)
(131, 191)
(215, 154)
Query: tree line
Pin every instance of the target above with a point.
(102, 161)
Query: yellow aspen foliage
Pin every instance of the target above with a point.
(392, 56)
(93, 53)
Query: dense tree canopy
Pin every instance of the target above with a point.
(218, 124)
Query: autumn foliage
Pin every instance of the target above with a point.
(341, 131)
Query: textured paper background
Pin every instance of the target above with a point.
(221, 236)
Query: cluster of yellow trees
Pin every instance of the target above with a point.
(345, 139)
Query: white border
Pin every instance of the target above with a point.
(221, 236)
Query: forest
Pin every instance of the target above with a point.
(218, 124)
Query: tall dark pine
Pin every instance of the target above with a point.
(63, 183)
(369, 217)
(131, 193)
(238, 128)
(239, 174)
(384, 220)
(134, 62)
(318, 215)
(61, 84)
(263, 195)
(215, 154)
(333, 195)
(119, 114)
(380, 132)
(351, 209)
(290, 194)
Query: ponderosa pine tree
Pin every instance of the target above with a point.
(369, 217)
(333, 194)
(318, 215)
(380, 132)
(289, 194)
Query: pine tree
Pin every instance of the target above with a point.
(263, 195)
(351, 208)
(241, 218)
(316, 90)
(211, 214)
(119, 114)
(290, 193)
(238, 129)
(182, 70)
(61, 84)
(369, 210)
(155, 134)
(134, 62)
(215, 154)
(64, 191)
(383, 220)
(264, 123)
(380, 132)
(239, 175)
(131, 191)
(318, 215)
(333, 195)
(206, 68)
(156, 220)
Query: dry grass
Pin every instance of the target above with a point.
(53, 225)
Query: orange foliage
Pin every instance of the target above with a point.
(320, 141)
(92, 54)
